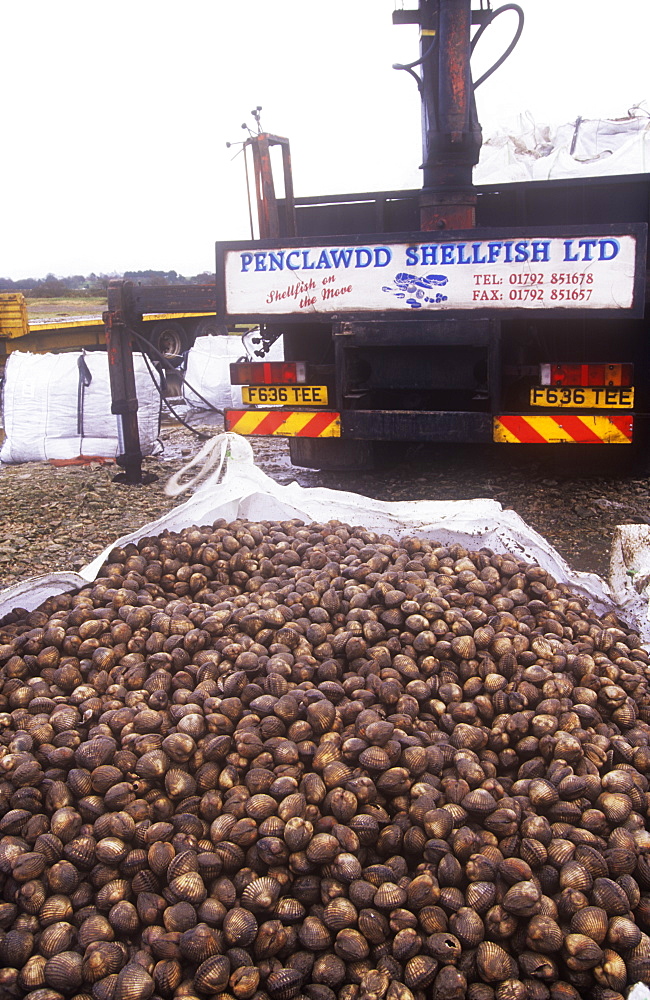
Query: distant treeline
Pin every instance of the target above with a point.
(80, 285)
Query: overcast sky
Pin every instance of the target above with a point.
(117, 113)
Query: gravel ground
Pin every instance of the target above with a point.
(60, 518)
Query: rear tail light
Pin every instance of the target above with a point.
(268, 373)
(596, 375)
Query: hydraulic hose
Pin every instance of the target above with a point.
(502, 58)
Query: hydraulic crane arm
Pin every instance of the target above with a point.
(451, 133)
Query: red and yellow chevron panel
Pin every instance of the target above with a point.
(284, 423)
(566, 428)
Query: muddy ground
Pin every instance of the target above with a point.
(60, 518)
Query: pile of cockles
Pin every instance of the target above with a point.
(276, 760)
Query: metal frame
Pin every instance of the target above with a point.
(419, 425)
(268, 215)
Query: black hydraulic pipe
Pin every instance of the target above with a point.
(451, 132)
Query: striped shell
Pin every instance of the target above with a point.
(64, 971)
(610, 896)
(420, 972)
(340, 913)
(32, 973)
(389, 895)
(314, 935)
(56, 937)
(54, 909)
(213, 974)
(591, 921)
(239, 927)
(374, 758)
(189, 888)
(466, 925)
(284, 984)
(494, 963)
(134, 983)
(261, 894)
(102, 959)
(181, 864)
(123, 917)
(288, 910)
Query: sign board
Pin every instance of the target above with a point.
(422, 274)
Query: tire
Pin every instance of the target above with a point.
(331, 454)
(170, 338)
(209, 327)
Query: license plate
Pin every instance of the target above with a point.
(577, 396)
(296, 395)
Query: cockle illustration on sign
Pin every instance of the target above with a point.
(417, 288)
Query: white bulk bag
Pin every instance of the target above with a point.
(208, 368)
(208, 371)
(527, 150)
(58, 407)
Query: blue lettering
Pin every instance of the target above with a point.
(494, 251)
(568, 246)
(462, 259)
(429, 255)
(276, 260)
(411, 256)
(246, 260)
(613, 244)
(388, 256)
(476, 259)
(541, 250)
(341, 256)
(361, 262)
(260, 261)
(447, 253)
(306, 265)
(589, 245)
(475, 255)
(293, 253)
(508, 256)
(521, 251)
(323, 260)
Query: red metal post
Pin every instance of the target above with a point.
(271, 224)
(122, 378)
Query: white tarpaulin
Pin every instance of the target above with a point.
(528, 151)
(58, 407)
(246, 492)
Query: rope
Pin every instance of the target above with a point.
(165, 402)
(166, 363)
(213, 453)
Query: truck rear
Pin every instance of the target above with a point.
(507, 314)
(530, 328)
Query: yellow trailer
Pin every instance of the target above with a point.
(171, 333)
(13, 315)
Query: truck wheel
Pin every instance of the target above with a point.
(169, 337)
(331, 454)
(208, 327)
